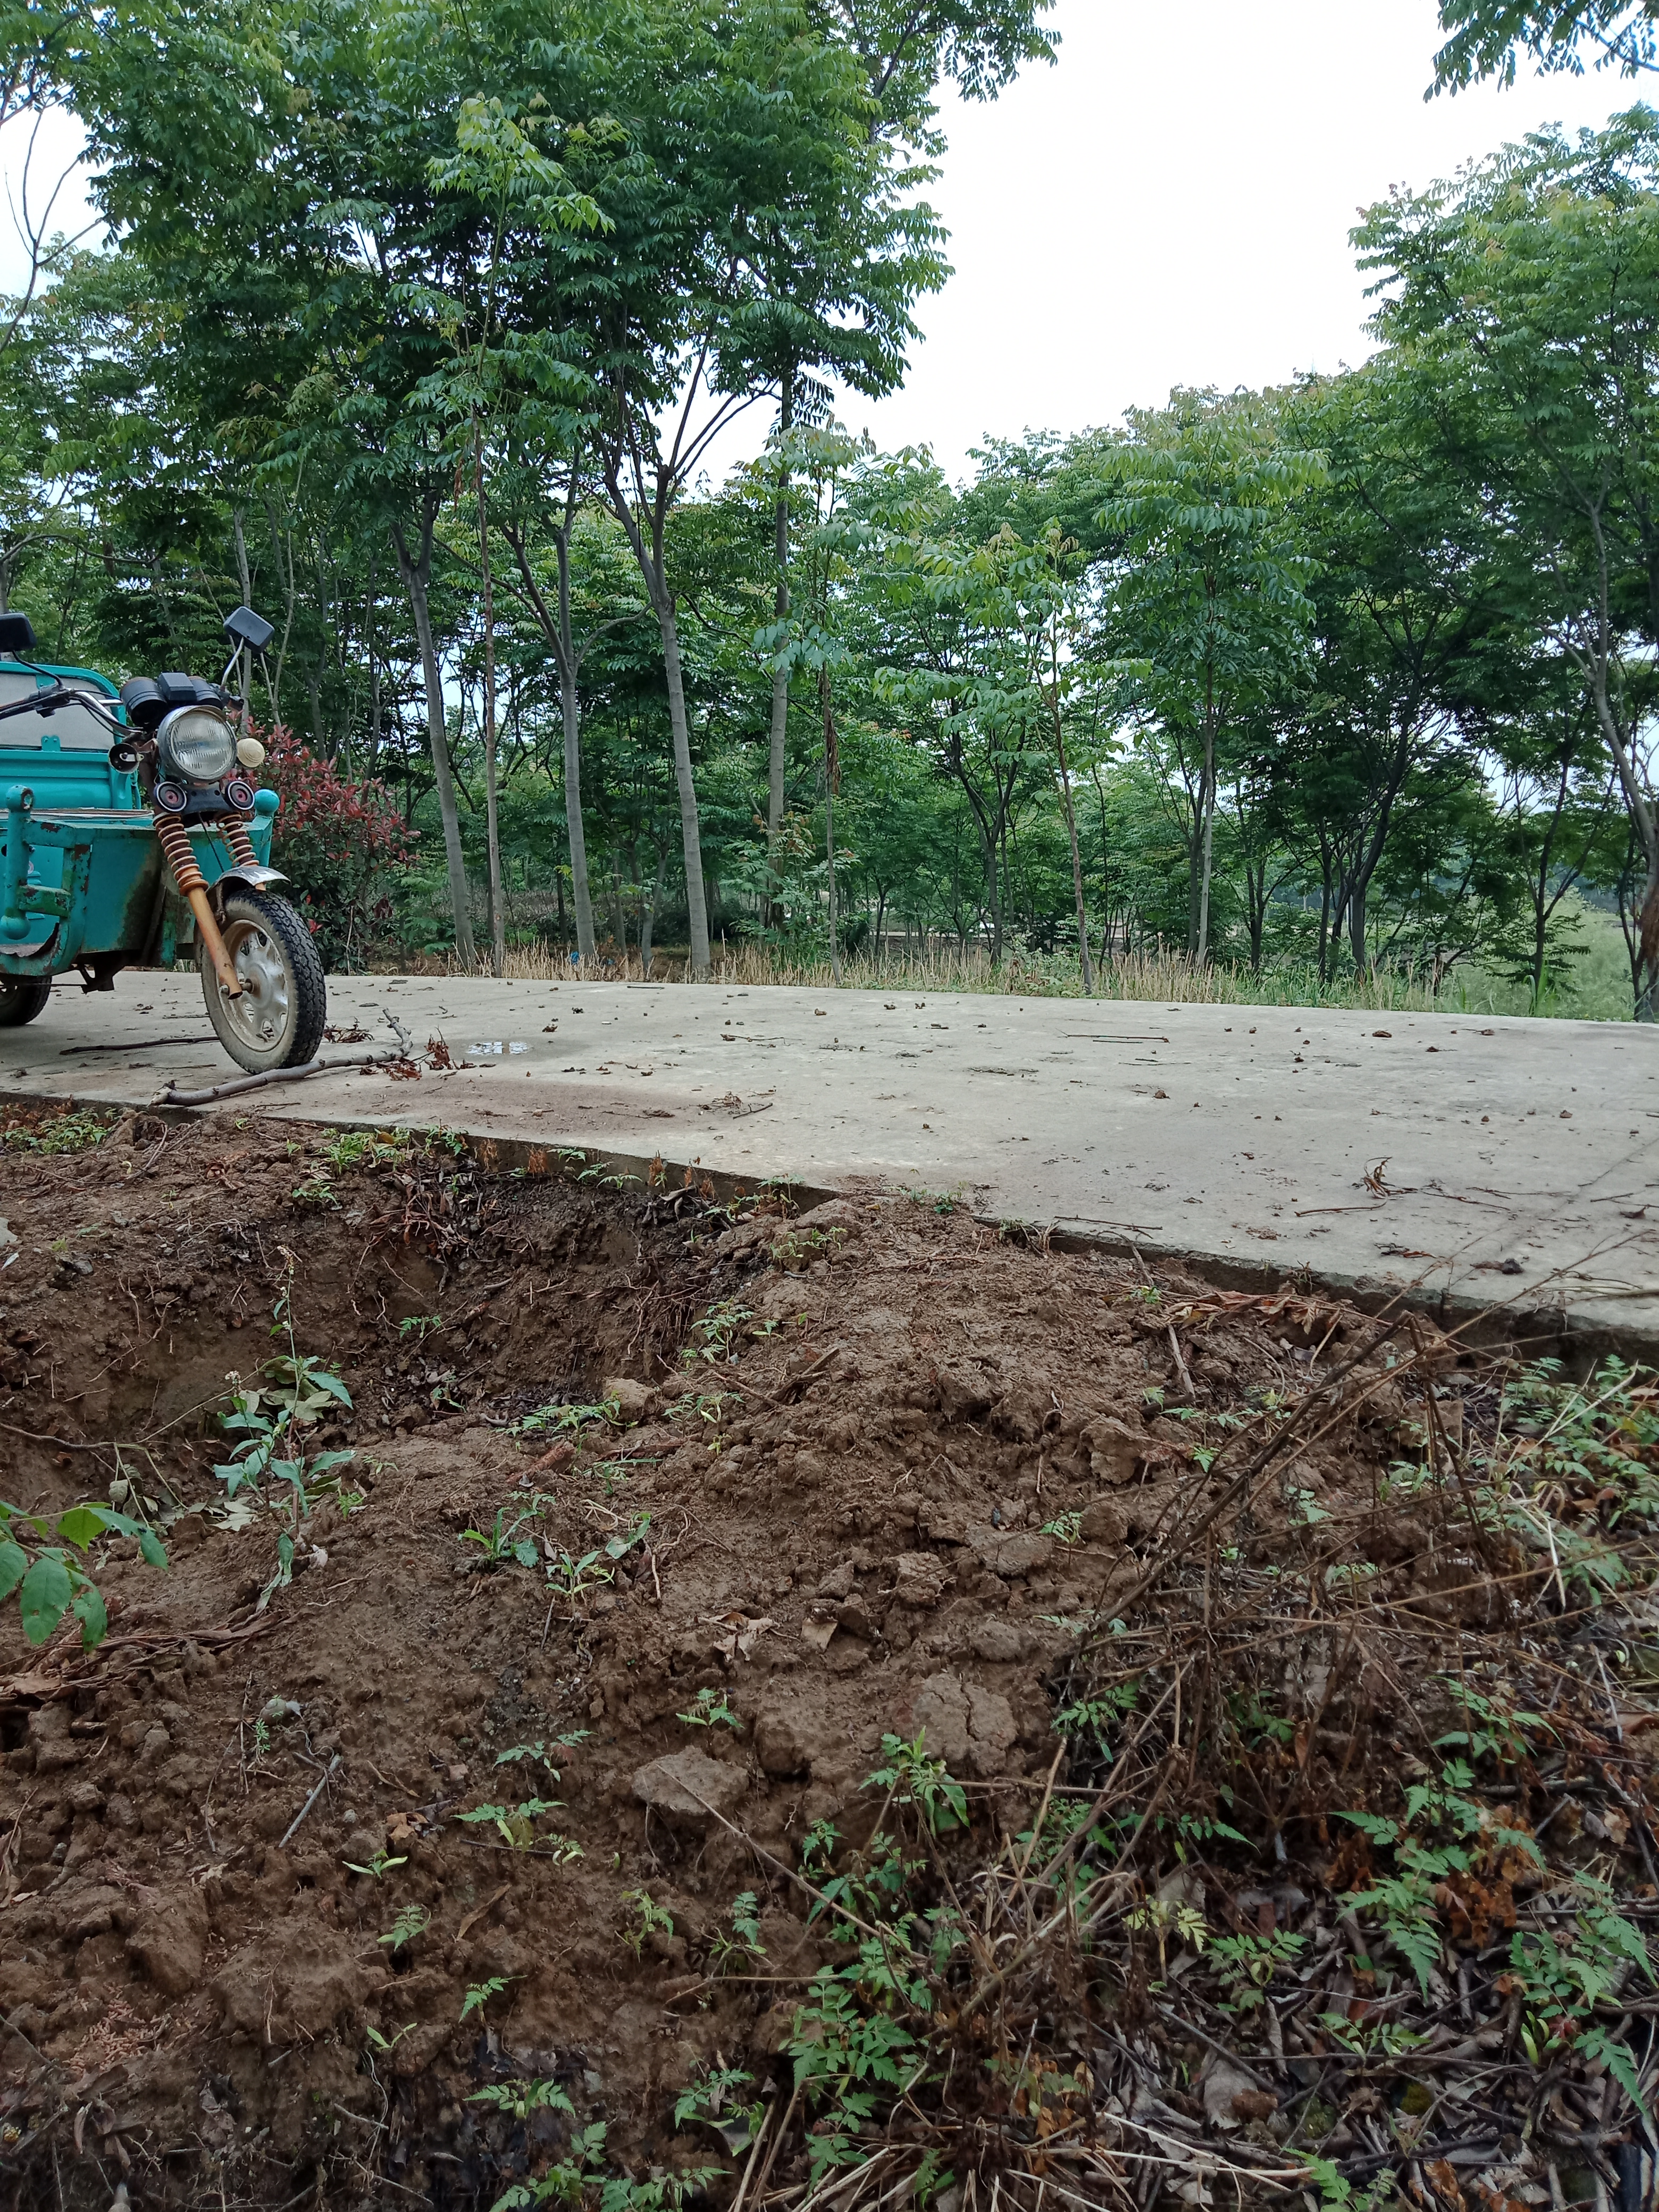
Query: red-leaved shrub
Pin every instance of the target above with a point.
(339, 842)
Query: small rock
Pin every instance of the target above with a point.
(184, 1776)
(85, 1797)
(922, 1578)
(970, 1728)
(154, 1742)
(993, 1730)
(633, 1400)
(1115, 1448)
(1009, 1551)
(682, 1786)
(997, 1641)
(120, 1812)
(1222, 2085)
(838, 1583)
(1104, 1522)
(169, 1943)
(852, 1615)
(781, 1746)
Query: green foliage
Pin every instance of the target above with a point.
(503, 1544)
(710, 2098)
(709, 1709)
(516, 1826)
(563, 1421)
(76, 1129)
(479, 1995)
(1247, 1965)
(646, 1917)
(716, 1332)
(520, 2100)
(414, 1920)
(911, 1777)
(742, 1945)
(40, 1558)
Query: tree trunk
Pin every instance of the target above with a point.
(1357, 925)
(777, 757)
(649, 558)
(618, 918)
(561, 636)
(416, 573)
(1077, 857)
(831, 778)
(244, 577)
(1206, 833)
(492, 812)
(648, 919)
(695, 899)
(1646, 1007)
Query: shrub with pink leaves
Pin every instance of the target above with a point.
(340, 843)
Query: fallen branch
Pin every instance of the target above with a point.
(172, 1098)
(332, 1769)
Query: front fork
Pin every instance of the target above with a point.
(192, 888)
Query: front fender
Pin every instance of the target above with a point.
(248, 878)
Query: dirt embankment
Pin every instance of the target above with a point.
(1135, 1560)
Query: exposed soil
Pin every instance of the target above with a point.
(847, 1430)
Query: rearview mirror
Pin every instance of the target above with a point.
(16, 635)
(245, 628)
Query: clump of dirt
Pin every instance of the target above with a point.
(771, 1691)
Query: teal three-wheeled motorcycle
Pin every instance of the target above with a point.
(132, 837)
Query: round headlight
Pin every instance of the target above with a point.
(197, 745)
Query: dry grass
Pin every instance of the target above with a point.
(1170, 977)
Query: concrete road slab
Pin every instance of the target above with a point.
(1509, 1162)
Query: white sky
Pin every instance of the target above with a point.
(1170, 204)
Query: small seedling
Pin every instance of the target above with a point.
(517, 1828)
(716, 1332)
(1064, 1528)
(575, 1579)
(419, 1326)
(538, 1753)
(912, 1778)
(387, 2043)
(649, 1918)
(564, 1420)
(380, 1866)
(478, 1994)
(503, 1545)
(727, 1953)
(713, 2101)
(709, 1709)
(414, 1920)
(521, 2099)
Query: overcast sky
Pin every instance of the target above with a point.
(1170, 204)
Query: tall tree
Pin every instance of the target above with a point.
(1208, 584)
(1526, 298)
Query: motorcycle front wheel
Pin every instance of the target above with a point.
(21, 1000)
(277, 1022)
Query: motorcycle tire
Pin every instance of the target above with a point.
(20, 1001)
(277, 1022)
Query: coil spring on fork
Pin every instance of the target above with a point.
(177, 852)
(240, 844)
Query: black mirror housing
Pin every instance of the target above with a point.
(244, 627)
(16, 635)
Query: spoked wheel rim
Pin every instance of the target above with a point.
(263, 1017)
